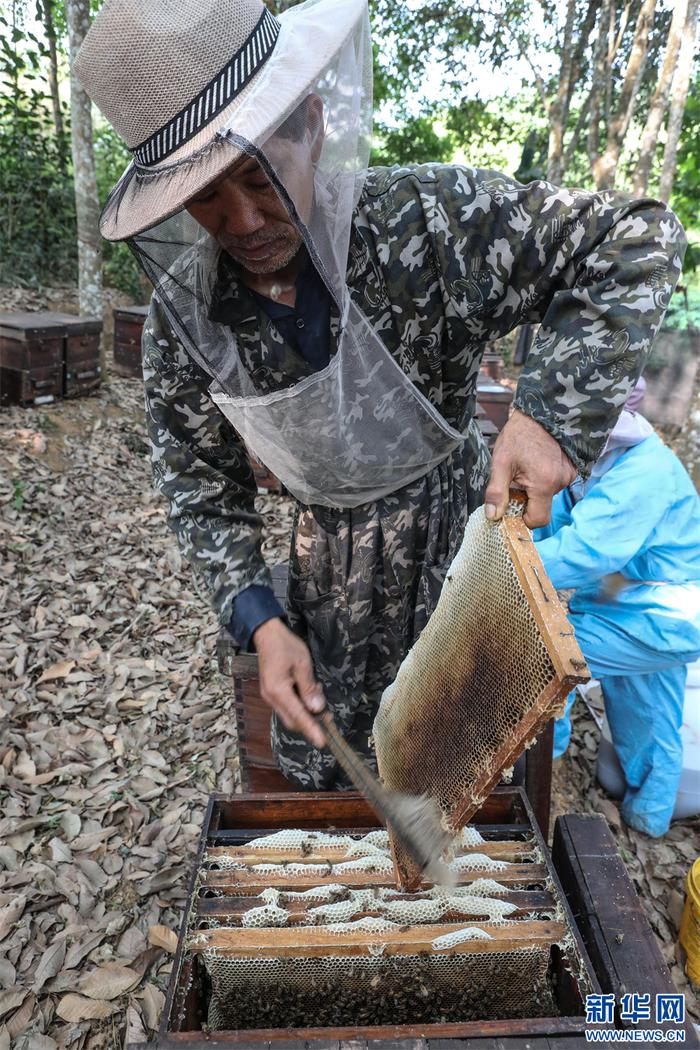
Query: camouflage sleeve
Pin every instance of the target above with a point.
(595, 269)
(201, 467)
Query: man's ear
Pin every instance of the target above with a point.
(314, 126)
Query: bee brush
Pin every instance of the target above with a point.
(415, 819)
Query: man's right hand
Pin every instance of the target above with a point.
(287, 681)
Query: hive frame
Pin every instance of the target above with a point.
(568, 664)
(564, 652)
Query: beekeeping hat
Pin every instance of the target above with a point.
(276, 113)
(178, 78)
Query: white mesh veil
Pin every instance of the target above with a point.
(357, 428)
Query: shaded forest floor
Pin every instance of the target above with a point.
(117, 725)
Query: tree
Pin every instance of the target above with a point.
(659, 102)
(86, 201)
(571, 42)
(594, 65)
(45, 14)
(37, 217)
(615, 113)
(679, 97)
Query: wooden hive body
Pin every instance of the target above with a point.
(128, 329)
(46, 355)
(538, 927)
(584, 875)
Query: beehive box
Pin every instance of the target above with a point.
(499, 953)
(495, 399)
(46, 355)
(128, 328)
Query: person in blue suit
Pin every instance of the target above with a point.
(627, 542)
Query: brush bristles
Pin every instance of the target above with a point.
(417, 821)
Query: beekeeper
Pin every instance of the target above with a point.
(627, 540)
(333, 318)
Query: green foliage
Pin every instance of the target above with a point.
(686, 190)
(111, 158)
(683, 310)
(37, 208)
(422, 48)
(37, 213)
(415, 142)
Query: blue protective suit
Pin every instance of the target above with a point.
(637, 516)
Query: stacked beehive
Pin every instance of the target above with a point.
(45, 356)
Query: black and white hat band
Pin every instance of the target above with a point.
(219, 93)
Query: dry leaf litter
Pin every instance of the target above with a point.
(117, 725)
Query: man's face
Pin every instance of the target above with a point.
(243, 212)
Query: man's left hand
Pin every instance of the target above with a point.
(527, 457)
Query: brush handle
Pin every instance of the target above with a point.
(355, 766)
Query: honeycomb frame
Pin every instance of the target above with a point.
(499, 683)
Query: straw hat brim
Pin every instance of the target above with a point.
(143, 197)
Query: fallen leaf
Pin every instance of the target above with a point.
(78, 951)
(70, 825)
(153, 1003)
(160, 880)
(11, 999)
(93, 872)
(49, 964)
(24, 767)
(162, 937)
(35, 1041)
(10, 915)
(135, 1032)
(143, 962)
(131, 942)
(109, 981)
(75, 1008)
(58, 670)
(19, 1021)
(60, 851)
(8, 974)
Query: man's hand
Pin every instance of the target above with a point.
(527, 457)
(287, 681)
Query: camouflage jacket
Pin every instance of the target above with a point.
(442, 259)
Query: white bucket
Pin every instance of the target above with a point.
(609, 771)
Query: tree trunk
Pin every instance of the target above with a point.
(659, 103)
(86, 201)
(559, 106)
(679, 95)
(605, 166)
(46, 13)
(601, 71)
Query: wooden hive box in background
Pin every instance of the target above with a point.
(495, 399)
(46, 355)
(493, 365)
(128, 327)
(82, 370)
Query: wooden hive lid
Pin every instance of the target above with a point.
(40, 324)
(131, 313)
